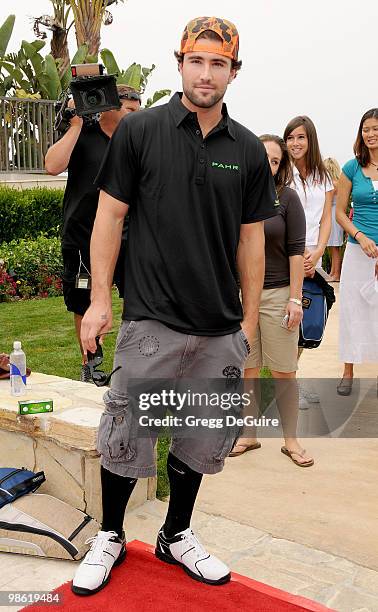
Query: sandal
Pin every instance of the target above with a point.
(345, 386)
(290, 454)
(247, 447)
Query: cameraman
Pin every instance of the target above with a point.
(81, 151)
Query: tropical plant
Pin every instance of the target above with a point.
(134, 76)
(28, 74)
(26, 70)
(86, 15)
(89, 15)
(58, 24)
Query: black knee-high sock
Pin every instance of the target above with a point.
(185, 483)
(116, 491)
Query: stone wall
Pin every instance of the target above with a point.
(61, 443)
(26, 181)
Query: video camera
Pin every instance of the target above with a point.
(93, 92)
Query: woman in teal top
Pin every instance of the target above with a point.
(365, 199)
(358, 340)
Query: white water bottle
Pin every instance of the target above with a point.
(17, 362)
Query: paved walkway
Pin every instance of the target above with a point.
(288, 565)
(309, 531)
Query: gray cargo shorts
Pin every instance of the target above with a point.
(148, 349)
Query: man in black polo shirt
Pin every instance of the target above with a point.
(198, 186)
(81, 151)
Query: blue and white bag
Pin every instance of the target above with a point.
(15, 482)
(315, 314)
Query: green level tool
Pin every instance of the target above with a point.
(34, 407)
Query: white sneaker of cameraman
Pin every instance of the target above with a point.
(94, 572)
(184, 549)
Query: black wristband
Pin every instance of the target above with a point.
(358, 232)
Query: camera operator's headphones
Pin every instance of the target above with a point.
(130, 95)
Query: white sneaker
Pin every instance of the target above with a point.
(185, 550)
(94, 571)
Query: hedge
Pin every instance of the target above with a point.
(35, 265)
(27, 213)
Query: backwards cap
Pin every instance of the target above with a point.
(225, 29)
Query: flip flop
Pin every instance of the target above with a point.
(247, 447)
(290, 454)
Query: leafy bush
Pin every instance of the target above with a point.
(35, 265)
(8, 287)
(27, 213)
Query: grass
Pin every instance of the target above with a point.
(48, 338)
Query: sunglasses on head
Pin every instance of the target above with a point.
(99, 377)
(130, 95)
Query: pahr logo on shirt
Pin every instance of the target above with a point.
(225, 166)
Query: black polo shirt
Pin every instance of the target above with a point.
(188, 197)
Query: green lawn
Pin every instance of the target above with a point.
(48, 338)
(47, 334)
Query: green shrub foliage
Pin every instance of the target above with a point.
(35, 265)
(27, 213)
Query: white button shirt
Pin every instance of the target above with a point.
(313, 200)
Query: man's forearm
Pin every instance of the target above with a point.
(58, 156)
(251, 268)
(105, 245)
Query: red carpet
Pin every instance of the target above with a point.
(144, 583)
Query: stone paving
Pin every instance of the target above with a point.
(331, 580)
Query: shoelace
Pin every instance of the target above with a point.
(191, 540)
(97, 543)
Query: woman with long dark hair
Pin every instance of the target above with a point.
(314, 187)
(358, 340)
(312, 183)
(276, 340)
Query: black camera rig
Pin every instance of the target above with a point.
(93, 92)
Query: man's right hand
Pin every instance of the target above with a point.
(75, 120)
(96, 321)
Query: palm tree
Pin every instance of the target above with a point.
(89, 15)
(58, 24)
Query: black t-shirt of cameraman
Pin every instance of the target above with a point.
(80, 151)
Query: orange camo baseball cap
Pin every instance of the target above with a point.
(225, 29)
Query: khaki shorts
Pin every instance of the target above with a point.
(274, 346)
(148, 349)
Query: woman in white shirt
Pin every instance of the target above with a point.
(312, 183)
(314, 187)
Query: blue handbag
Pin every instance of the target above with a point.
(15, 482)
(315, 314)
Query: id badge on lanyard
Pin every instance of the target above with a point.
(83, 277)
